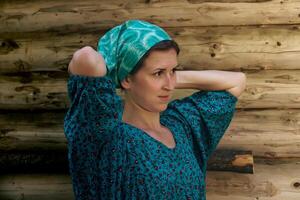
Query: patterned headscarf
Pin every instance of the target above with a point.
(124, 45)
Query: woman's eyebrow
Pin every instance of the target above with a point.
(165, 68)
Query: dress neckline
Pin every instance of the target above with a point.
(145, 134)
(164, 122)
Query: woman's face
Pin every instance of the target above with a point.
(154, 80)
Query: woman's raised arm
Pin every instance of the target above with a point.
(233, 82)
(87, 62)
(91, 92)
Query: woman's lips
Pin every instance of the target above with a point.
(164, 98)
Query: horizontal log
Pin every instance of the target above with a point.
(267, 133)
(35, 160)
(270, 182)
(36, 186)
(31, 92)
(265, 89)
(53, 16)
(241, 197)
(224, 48)
(280, 181)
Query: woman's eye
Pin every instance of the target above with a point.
(158, 73)
(174, 71)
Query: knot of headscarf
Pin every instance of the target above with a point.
(124, 45)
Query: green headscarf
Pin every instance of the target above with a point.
(124, 45)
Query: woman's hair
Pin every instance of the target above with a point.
(161, 46)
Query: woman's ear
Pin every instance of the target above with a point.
(126, 82)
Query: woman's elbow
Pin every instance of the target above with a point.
(241, 85)
(84, 62)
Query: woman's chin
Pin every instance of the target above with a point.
(158, 107)
(163, 107)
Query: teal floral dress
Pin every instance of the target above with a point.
(110, 159)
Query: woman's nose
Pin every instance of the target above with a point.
(169, 82)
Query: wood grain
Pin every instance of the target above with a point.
(52, 16)
(267, 89)
(237, 48)
(270, 182)
(268, 133)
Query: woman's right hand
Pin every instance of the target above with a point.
(88, 62)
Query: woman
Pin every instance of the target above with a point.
(145, 147)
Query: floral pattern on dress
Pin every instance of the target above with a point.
(110, 159)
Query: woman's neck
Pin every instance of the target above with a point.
(135, 115)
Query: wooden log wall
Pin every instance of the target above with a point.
(260, 38)
(271, 181)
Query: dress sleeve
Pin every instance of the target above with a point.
(94, 139)
(205, 115)
(93, 100)
(97, 166)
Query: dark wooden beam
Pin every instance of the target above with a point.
(38, 160)
(232, 160)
